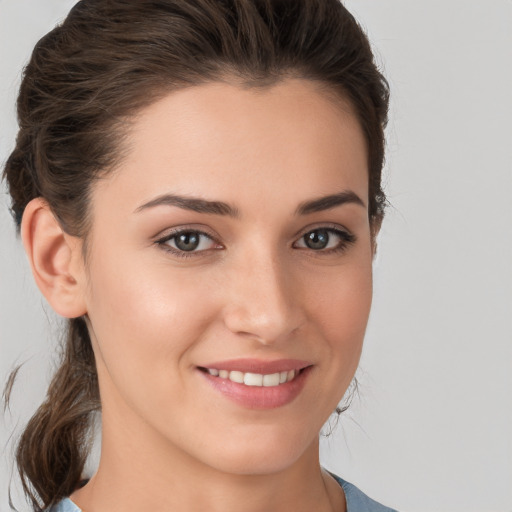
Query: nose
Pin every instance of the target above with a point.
(262, 301)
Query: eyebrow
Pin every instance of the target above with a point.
(192, 203)
(328, 202)
(220, 208)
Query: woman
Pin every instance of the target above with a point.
(197, 186)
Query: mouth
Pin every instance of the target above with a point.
(256, 384)
(255, 379)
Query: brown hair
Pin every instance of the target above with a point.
(89, 75)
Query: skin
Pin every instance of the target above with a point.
(255, 291)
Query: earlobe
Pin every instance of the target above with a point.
(55, 259)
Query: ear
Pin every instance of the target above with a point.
(55, 259)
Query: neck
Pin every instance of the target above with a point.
(143, 476)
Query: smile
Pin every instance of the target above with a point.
(254, 379)
(257, 384)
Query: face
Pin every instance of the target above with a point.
(228, 284)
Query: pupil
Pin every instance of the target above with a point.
(187, 241)
(317, 239)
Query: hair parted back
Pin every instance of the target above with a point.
(84, 82)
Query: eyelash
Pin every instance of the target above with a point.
(175, 234)
(346, 239)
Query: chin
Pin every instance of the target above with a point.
(255, 464)
(265, 453)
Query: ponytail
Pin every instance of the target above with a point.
(53, 449)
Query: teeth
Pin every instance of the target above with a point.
(254, 379)
(236, 377)
(271, 380)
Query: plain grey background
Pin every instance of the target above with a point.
(432, 430)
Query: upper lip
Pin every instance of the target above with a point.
(258, 365)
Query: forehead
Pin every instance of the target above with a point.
(243, 145)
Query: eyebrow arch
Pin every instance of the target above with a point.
(328, 202)
(191, 203)
(221, 208)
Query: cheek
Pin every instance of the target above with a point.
(342, 302)
(144, 318)
(341, 314)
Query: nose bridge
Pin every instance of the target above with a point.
(261, 300)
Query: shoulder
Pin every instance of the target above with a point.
(65, 505)
(357, 501)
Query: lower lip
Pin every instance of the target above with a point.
(259, 397)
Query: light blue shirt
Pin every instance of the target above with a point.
(357, 501)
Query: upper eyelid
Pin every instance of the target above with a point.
(328, 226)
(170, 233)
(184, 229)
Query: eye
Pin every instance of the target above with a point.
(187, 241)
(326, 240)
